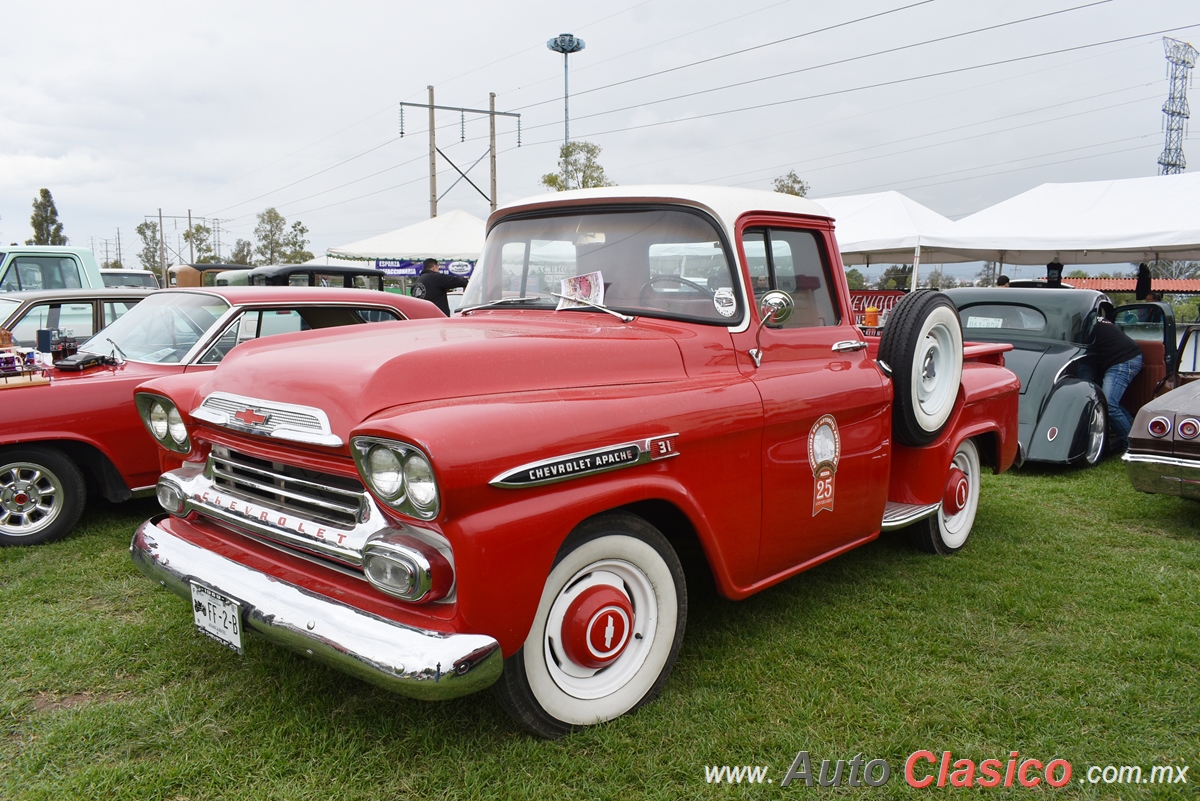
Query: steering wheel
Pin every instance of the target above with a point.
(649, 286)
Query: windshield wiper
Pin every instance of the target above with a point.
(500, 302)
(625, 318)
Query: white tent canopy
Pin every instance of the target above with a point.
(887, 227)
(1094, 222)
(454, 235)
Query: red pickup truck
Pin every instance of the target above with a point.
(638, 379)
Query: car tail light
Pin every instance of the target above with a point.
(1189, 428)
(1159, 427)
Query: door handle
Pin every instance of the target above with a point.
(849, 345)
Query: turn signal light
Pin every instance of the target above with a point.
(405, 567)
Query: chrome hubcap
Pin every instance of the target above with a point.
(30, 499)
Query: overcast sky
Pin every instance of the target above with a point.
(227, 108)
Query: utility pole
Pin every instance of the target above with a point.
(492, 141)
(434, 152)
(162, 248)
(191, 240)
(432, 159)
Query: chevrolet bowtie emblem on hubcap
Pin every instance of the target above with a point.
(251, 418)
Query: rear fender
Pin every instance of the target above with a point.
(1060, 435)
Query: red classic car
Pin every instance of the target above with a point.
(81, 434)
(637, 377)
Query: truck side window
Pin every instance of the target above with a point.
(791, 260)
(42, 272)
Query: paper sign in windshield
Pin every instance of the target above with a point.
(985, 322)
(581, 290)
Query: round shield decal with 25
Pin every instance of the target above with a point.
(824, 452)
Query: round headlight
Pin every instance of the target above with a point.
(158, 420)
(175, 426)
(385, 471)
(418, 477)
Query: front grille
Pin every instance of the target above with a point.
(320, 497)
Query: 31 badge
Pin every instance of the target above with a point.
(824, 452)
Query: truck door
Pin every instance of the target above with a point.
(826, 434)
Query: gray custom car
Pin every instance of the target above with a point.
(1063, 417)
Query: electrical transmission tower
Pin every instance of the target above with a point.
(1182, 57)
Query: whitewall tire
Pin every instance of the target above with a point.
(607, 630)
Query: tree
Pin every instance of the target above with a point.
(938, 279)
(791, 184)
(897, 276)
(987, 274)
(200, 237)
(243, 253)
(47, 230)
(151, 253)
(855, 279)
(294, 243)
(1077, 273)
(578, 168)
(269, 234)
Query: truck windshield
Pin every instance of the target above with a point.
(161, 329)
(652, 261)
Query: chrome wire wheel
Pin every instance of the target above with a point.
(31, 499)
(1097, 424)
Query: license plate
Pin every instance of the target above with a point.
(218, 616)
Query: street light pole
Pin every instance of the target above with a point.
(566, 44)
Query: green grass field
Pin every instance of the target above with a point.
(1068, 628)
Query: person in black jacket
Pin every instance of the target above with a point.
(1141, 287)
(433, 284)
(1113, 361)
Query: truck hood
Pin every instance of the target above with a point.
(353, 372)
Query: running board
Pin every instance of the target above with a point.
(899, 515)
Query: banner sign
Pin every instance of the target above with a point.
(404, 268)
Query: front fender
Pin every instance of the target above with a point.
(1060, 433)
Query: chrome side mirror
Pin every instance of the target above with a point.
(775, 307)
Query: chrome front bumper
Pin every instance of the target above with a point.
(1165, 475)
(416, 662)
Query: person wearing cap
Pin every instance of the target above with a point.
(432, 285)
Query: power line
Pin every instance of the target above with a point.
(941, 144)
(898, 81)
(752, 48)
